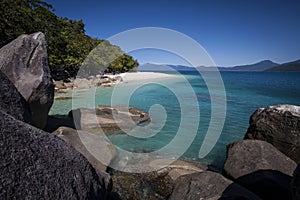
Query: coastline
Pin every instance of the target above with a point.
(108, 80)
(52, 151)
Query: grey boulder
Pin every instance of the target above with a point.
(12, 102)
(38, 165)
(25, 62)
(156, 184)
(98, 151)
(208, 185)
(261, 168)
(278, 125)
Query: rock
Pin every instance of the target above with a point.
(98, 151)
(69, 84)
(152, 185)
(82, 83)
(38, 165)
(60, 85)
(260, 167)
(108, 118)
(208, 185)
(25, 62)
(267, 184)
(180, 168)
(116, 79)
(247, 156)
(278, 125)
(12, 102)
(296, 183)
(62, 98)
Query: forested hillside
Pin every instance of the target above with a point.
(68, 44)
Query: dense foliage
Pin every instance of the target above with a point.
(67, 42)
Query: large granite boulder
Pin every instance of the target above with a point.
(38, 165)
(12, 102)
(261, 168)
(157, 184)
(278, 125)
(98, 151)
(247, 156)
(296, 183)
(208, 185)
(109, 119)
(25, 62)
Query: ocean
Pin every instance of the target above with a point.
(181, 110)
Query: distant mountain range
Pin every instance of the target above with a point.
(265, 65)
(257, 67)
(290, 67)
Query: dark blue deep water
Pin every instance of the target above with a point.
(245, 92)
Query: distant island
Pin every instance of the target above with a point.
(265, 65)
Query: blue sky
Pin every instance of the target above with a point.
(233, 32)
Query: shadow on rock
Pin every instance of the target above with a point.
(267, 184)
(56, 121)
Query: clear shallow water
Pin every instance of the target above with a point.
(245, 91)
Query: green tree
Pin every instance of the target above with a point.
(123, 63)
(69, 47)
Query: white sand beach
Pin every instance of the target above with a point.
(130, 77)
(110, 80)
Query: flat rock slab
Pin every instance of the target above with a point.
(109, 119)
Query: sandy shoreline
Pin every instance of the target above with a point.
(110, 80)
(142, 76)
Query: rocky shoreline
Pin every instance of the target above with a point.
(85, 83)
(47, 158)
(107, 80)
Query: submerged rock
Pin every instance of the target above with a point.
(261, 168)
(109, 119)
(98, 151)
(25, 62)
(278, 125)
(38, 165)
(157, 184)
(208, 185)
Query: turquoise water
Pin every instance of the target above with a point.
(245, 92)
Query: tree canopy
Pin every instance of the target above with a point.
(70, 49)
